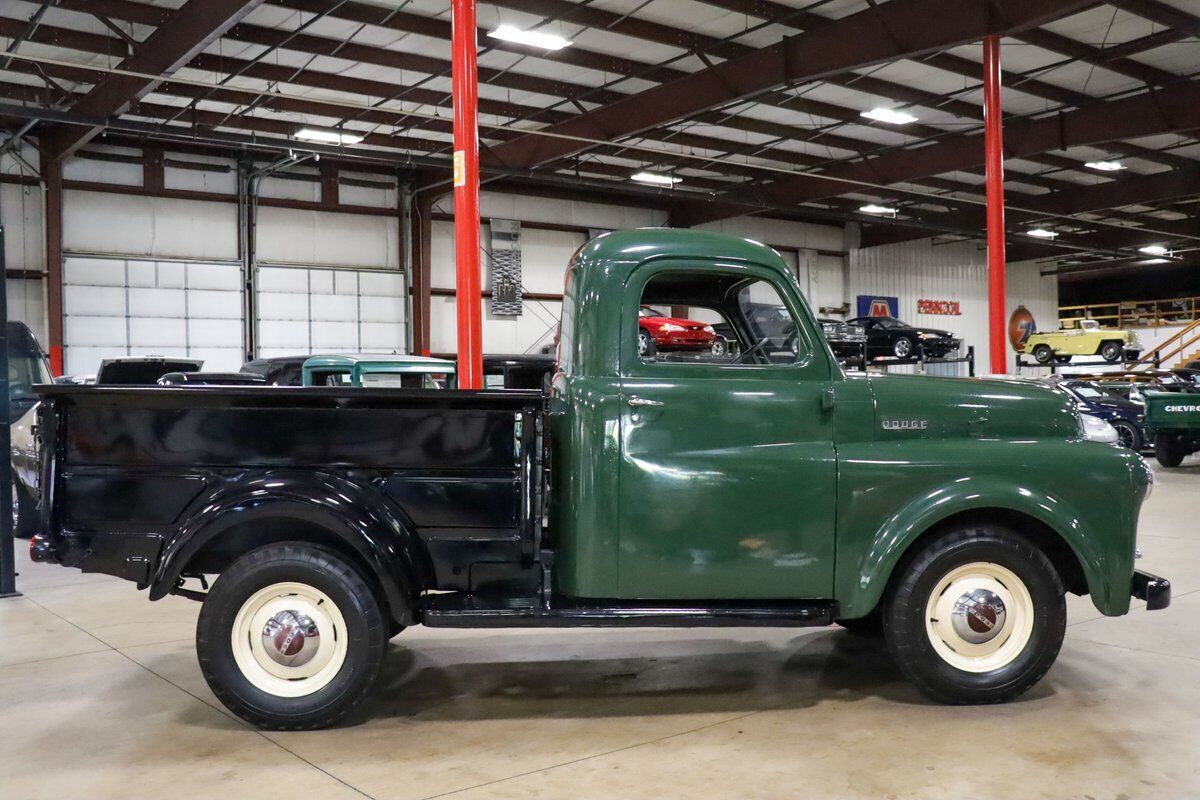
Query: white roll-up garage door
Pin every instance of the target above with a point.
(115, 307)
(323, 310)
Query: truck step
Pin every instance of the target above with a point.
(480, 611)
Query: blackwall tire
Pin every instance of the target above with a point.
(1168, 450)
(935, 616)
(25, 512)
(1042, 354)
(1111, 352)
(903, 348)
(287, 586)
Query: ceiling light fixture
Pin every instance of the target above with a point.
(1042, 233)
(871, 208)
(1154, 250)
(1105, 166)
(327, 136)
(546, 41)
(889, 115)
(655, 178)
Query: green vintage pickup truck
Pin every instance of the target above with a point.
(760, 485)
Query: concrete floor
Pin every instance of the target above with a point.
(101, 697)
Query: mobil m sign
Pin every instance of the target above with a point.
(870, 305)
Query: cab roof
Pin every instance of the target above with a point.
(643, 243)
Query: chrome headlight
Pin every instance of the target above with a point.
(1097, 430)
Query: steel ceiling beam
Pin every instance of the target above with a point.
(360, 12)
(188, 31)
(894, 30)
(1170, 110)
(1161, 13)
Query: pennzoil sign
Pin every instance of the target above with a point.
(947, 308)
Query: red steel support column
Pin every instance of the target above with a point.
(465, 90)
(994, 172)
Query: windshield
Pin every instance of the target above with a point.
(1090, 392)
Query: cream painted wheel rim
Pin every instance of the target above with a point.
(264, 670)
(960, 591)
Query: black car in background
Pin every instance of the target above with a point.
(848, 340)
(525, 371)
(1124, 415)
(888, 336)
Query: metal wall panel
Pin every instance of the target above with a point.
(957, 271)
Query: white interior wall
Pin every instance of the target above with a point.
(21, 215)
(922, 270)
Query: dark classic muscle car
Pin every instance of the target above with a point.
(888, 336)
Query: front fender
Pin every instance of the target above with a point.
(1096, 519)
(352, 513)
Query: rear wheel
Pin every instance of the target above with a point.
(1042, 354)
(1111, 352)
(1168, 449)
(1128, 434)
(976, 616)
(290, 637)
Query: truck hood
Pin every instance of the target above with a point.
(918, 406)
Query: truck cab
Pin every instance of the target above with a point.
(758, 484)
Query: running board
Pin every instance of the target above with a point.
(480, 611)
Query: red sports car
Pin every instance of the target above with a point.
(656, 332)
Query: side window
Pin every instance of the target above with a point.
(715, 318)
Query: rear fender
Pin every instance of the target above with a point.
(353, 515)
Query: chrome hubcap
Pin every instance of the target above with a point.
(978, 616)
(291, 639)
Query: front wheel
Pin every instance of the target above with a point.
(1111, 352)
(902, 347)
(1042, 354)
(719, 348)
(976, 616)
(290, 637)
(1128, 434)
(1168, 449)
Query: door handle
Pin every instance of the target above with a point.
(642, 402)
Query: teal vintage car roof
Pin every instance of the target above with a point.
(400, 361)
(642, 243)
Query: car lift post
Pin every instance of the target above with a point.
(994, 174)
(8, 560)
(465, 95)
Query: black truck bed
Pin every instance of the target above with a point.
(133, 478)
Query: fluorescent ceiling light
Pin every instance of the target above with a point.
(1154, 250)
(1105, 166)
(327, 136)
(655, 178)
(1042, 233)
(871, 208)
(889, 115)
(546, 41)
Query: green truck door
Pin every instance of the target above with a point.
(727, 471)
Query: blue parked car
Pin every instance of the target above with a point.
(1124, 415)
